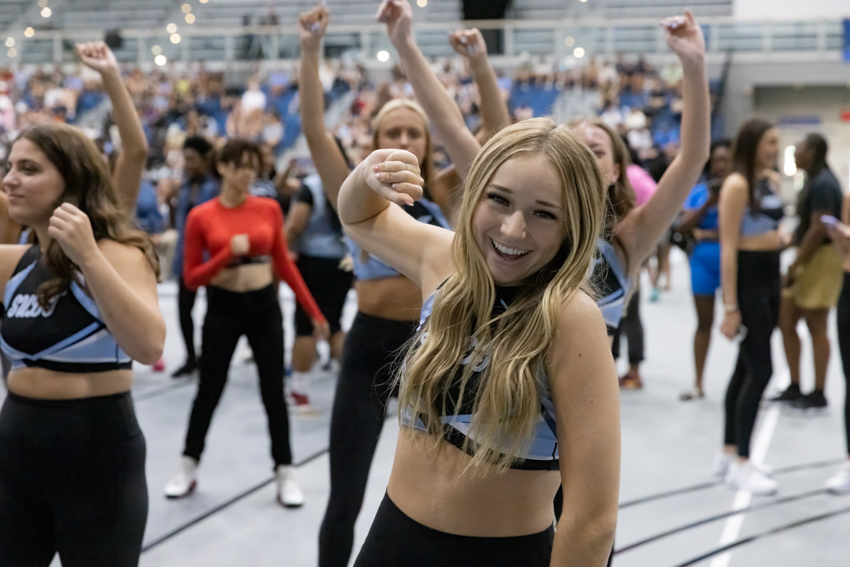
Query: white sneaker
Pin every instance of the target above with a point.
(183, 482)
(839, 483)
(745, 476)
(723, 460)
(288, 492)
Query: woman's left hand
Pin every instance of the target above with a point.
(398, 15)
(71, 228)
(684, 36)
(97, 55)
(321, 329)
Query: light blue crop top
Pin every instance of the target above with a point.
(372, 268)
(320, 238)
(770, 211)
(542, 453)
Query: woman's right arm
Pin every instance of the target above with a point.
(730, 210)
(461, 145)
(332, 167)
(370, 211)
(583, 381)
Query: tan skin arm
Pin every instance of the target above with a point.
(734, 197)
(370, 213)
(130, 165)
(332, 167)
(586, 398)
(641, 229)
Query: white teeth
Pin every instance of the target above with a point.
(506, 250)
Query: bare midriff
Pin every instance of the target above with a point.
(44, 384)
(395, 298)
(765, 242)
(435, 489)
(241, 279)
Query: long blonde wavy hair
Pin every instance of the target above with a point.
(507, 403)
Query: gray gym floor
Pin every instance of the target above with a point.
(667, 491)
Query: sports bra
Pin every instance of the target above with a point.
(769, 213)
(612, 283)
(69, 336)
(371, 268)
(542, 453)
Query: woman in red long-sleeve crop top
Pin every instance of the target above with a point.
(234, 245)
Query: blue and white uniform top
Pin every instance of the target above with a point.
(764, 218)
(612, 284)
(68, 336)
(372, 268)
(542, 453)
(322, 237)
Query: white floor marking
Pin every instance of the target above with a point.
(761, 443)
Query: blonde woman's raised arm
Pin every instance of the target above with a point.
(327, 157)
(130, 165)
(461, 145)
(644, 226)
(370, 210)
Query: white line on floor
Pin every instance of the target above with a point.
(761, 443)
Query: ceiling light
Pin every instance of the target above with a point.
(10, 42)
(190, 18)
(46, 12)
(29, 32)
(383, 56)
(175, 38)
(156, 50)
(160, 60)
(171, 28)
(578, 52)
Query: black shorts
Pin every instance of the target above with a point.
(395, 539)
(329, 285)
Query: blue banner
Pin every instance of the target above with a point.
(846, 44)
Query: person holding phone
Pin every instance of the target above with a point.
(750, 243)
(813, 282)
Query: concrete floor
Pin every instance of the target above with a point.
(668, 448)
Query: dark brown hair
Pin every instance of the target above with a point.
(235, 151)
(745, 153)
(88, 186)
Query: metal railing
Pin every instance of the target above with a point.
(517, 37)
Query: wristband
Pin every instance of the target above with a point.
(731, 308)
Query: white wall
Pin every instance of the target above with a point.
(790, 9)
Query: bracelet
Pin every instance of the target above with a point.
(733, 308)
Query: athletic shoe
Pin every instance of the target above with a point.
(724, 460)
(159, 366)
(299, 402)
(186, 370)
(815, 401)
(654, 295)
(631, 381)
(791, 393)
(288, 492)
(745, 476)
(839, 483)
(184, 481)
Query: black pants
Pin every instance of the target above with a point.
(758, 299)
(396, 539)
(369, 360)
(632, 327)
(329, 285)
(230, 315)
(843, 324)
(72, 480)
(185, 303)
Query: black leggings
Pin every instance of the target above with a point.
(396, 539)
(230, 315)
(632, 327)
(843, 324)
(758, 299)
(364, 387)
(185, 303)
(72, 480)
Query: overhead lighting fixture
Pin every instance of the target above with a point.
(383, 56)
(569, 41)
(160, 60)
(187, 8)
(12, 52)
(29, 32)
(46, 12)
(156, 50)
(578, 52)
(42, 3)
(175, 38)
(190, 18)
(171, 28)
(203, 1)
(421, 3)
(10, 42)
